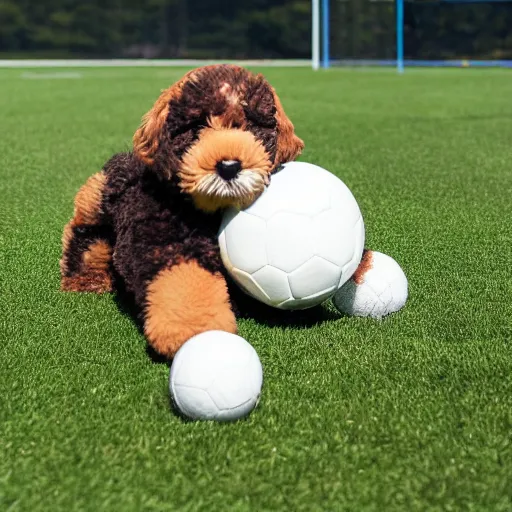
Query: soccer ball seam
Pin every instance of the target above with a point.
(220, 411)
(289, 274)
(254, 282)
(185, 409)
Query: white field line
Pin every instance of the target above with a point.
(51, 76)
(95, 63)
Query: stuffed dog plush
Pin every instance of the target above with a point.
(149, 219)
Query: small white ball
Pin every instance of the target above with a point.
(379, 287)
(216, 375)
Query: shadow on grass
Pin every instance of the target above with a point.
(245, 307)
(250, 309)
(125, 302)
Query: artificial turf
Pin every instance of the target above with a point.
(410, 413)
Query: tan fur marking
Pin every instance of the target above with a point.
(216, 144)
(228, 119)
(217, 123)
(229, 94)
(87, 211)
(289, 146)
(96, 260)
(88, 200)
(212, 204)
(67, 235)
(94, 275)
(98, 256)
(365, 265)
(184, 301)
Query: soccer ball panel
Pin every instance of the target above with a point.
(243, 244)
(344, 203)
(199, 375)
(198, 403)
(289, 239)
(239, 386)
(295, 189)
(334, 238)
(275, 283)
(250, 286)
(315, 276)
(270, 204)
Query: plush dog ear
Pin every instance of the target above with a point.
(147, 137)
(289, 146)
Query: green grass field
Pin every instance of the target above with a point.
(410, 413)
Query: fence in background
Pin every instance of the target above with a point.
(337, 32)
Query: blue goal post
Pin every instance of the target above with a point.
(401, 33)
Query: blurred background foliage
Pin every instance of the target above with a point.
(238, 29)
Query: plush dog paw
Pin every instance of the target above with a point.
(183, 301)
(94, 282)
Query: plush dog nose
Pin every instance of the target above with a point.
(228, 169)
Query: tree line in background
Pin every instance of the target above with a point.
(249, 29)
(157, 28)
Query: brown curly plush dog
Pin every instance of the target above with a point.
(150, 218)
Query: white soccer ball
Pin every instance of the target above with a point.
(298, 243)
(376, 290)
(216, 375)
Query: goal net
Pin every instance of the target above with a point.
(433, 32)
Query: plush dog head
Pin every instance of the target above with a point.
(220, 131)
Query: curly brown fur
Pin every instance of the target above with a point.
(154, 225)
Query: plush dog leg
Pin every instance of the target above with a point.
(86, 242)
(183, 301)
